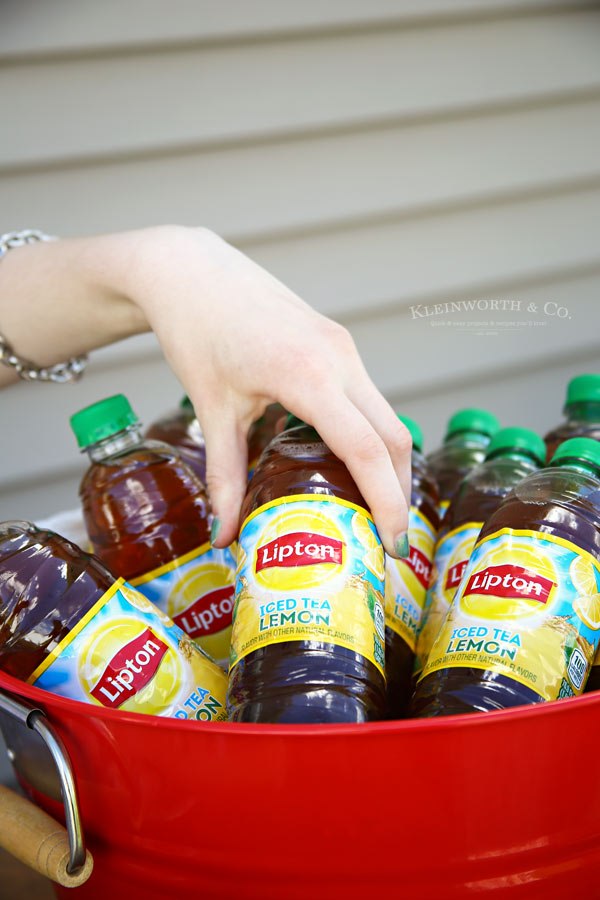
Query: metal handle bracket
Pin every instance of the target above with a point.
(36, 720)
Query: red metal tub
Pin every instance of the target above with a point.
(501, 804)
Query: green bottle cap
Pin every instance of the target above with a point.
(473, 420)
(583, 388)
(186, 403)
(577, 448)
(293, 421)
(102, 419)
(522, 439)
(415, 432)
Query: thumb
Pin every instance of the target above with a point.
(226, 474)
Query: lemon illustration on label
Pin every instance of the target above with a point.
(583, 576)
(588, 610)
(374, 558)
(138, 601)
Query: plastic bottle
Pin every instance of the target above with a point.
(582, 411)
(66, 625)
(468, 434)
(182, 429)
(147, 519)
(593, 682)
(525, 621)
(262, 432)
(407, 580)
(512, 454)
(308, 629)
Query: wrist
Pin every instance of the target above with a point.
(108, 266)
(163, 259)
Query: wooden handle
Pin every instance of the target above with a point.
(38, 840)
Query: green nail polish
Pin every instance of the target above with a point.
(215, 529)
(401, 546)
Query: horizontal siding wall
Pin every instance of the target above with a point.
(376, 157)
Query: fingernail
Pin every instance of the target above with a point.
(401, 546)
(215, 529)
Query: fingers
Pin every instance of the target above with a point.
(388, 426)
(226, 473)
(352, 438)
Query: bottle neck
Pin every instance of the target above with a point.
(115, 444)
(580, 465)
(516, 454)
(583, 411)
(468, 437)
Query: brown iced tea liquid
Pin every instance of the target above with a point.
(584, 424)
(181, 429)
(467, 436)
(262, 432)
(47, 584)
(554, 501)
(143, 509)
(303, 680)
(581, 410)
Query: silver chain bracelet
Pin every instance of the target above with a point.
(72, 369)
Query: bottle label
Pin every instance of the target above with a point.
(126, 654)
(407, 580)
(197, 592)
(449, 562)
(310, 568)
(528, 607)
(444, 504)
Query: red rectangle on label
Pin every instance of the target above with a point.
(418, 563)
(208, 614)
(130, 669)
(299, 548)
(454, 575)
(513, 582)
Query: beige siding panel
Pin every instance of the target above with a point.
(353, 272)
(424, 350)
(123, 104)
(403, 354)
(530, 399)
(43, 445)
(30, 27)
(288, 186)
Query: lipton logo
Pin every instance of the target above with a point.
(208, 614)
(418, 563)
(299, 548)
(130, 669)
(454, 575)
(513, 582)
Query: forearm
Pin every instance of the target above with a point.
(234, 335)
(63, 298)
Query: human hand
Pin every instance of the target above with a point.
(238, 340)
